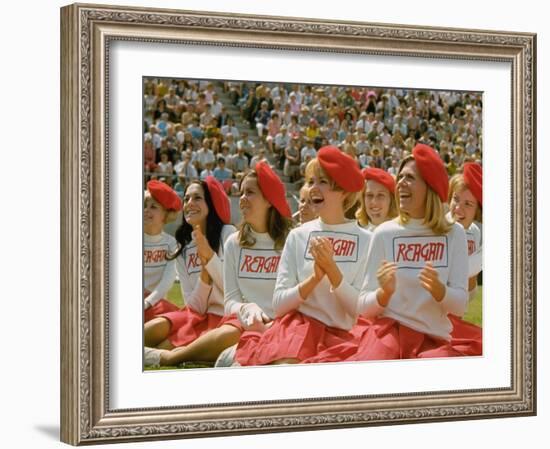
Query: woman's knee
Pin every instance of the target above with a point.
(156, 330)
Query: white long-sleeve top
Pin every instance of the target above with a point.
(473, 238)
(158, 273)
(475, 253)
(249, 274)
(410, 246)
(333, 307)
(199, 296)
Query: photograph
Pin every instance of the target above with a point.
(299, 204)
(291, 223)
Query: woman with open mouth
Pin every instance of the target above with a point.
(321, 270)
(252, 256)
(199, 331)
(306, 212)
(377, 200)
(417, 270)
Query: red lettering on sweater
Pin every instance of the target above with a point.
(414, 252)
(193, 261)
(344, 245)
(154, 256)
(471, 247)
(258, 263)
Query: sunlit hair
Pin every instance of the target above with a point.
(361, 214)
(434, 216)
(278, 226)
(214, 225)
(457, 184)
(351, 200)
(170, 214)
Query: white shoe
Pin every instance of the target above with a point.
(227, 358)
(151, 357)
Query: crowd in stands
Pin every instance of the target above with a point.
(189, 133)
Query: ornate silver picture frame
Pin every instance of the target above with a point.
(88, 32)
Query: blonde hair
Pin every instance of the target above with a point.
(361, 214)
(351, 200)
(434, 215)
(458, 184)
(278, 226)
(170, 215)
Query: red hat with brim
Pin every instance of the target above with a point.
(380, 176)
(272, 188)
(432, 169)
(219, 199)
(341, 168)
(164, 195)
(473, 177)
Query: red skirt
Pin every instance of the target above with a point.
(163, 306)
(387, 339)
(187, 325)
(466, 337)
(293, 336)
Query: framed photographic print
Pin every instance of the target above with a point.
(136, 81)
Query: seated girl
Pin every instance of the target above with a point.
(160, 206)
(417, 270)
(321, 270)
(199, 331)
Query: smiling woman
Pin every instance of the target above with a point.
(417, 273)
(199, 331)
(315, 299)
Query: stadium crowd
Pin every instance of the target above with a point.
(190, 134)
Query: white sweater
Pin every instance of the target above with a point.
(158, 273)
(333, 307)
(249, 274)
(197, 295)
(473, 237)
(410, 246)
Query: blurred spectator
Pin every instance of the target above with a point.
(221, 172)
(261, 156)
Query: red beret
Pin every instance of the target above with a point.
(341, 168)
(164, 195)
(380, 176)
(473, 177)
(272, 188)
(219, 198)
(432, 170)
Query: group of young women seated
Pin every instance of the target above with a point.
(376, 267)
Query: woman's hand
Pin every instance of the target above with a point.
(429, 279)
(386, 281)
(322, 252)
(253, 318)
(204, 251)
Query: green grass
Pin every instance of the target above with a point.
(174, 295)
(474, 313)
